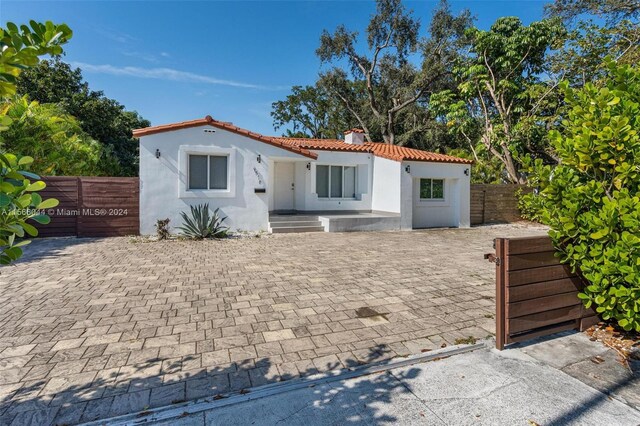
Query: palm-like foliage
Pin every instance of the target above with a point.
(201, 224)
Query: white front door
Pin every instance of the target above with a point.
(284, 186)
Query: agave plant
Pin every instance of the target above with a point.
(201, 224)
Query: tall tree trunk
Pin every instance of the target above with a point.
(391, 136)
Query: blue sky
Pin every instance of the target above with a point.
(179, 60)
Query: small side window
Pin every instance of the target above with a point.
(432, 189)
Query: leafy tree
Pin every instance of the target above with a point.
(615, 32)
(500, 101)
(103, 119)
(19, 202)
(312, 113)
(384, 83)
(591, 199)
(54, 139)
(21, 48)
(612, 10)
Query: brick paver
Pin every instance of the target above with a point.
(92, 328)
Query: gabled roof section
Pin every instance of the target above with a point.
(209, 121)
(379, 149)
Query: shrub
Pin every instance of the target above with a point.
(19, 202)
(591, 200)
(162, 228)
(201, 224)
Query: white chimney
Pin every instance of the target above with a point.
(354, 136)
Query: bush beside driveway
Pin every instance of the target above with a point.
(92, 328)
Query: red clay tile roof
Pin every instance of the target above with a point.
(391, 152)
(303, 145)
(401, 153)
(354, 130)
(324, 144)
(208, 120)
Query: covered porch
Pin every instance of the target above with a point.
(333, 221)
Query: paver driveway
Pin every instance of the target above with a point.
(93, 328)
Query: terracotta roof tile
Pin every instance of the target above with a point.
(304, 145)
(401, 153)
(208, 120)
(379, 149)
(324, 144)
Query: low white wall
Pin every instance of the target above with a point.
(386, 185)
(163, 181)
(453, 211)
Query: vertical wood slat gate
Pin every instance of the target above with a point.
(92, 206)
(536, 295)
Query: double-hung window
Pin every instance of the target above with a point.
(336, 181)
(208, 172)
(432, 189)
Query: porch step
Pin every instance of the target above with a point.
(293, 223)
(292, 218)
(292, 229)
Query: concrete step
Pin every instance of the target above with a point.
(292, 218)
(292, 229)
(295, 224)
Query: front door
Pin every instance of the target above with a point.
(284, 186)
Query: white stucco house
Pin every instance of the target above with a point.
(278, 184)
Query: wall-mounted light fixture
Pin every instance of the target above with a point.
(157, 153)
(308, 166)
(259, 159)
(466, 172)
(407, 168)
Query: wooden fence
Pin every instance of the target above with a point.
(92, 206)
(495, 203)
(536, 295)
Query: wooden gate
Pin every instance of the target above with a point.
(536, 295)
(92, 206)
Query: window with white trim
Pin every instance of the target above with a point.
(432, 189)
(208, 172)
(336, 181)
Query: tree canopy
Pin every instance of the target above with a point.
(54, 139)
(101, 118)
(311, 112)
(488, 94)
(382, 86)
(499, 91)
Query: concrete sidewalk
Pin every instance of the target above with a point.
(480, 387)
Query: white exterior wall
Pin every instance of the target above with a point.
(453, 211)
(381, 184)
(306, 198)
(163, 181)
(386, 185)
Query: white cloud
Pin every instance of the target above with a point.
(166, 74)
